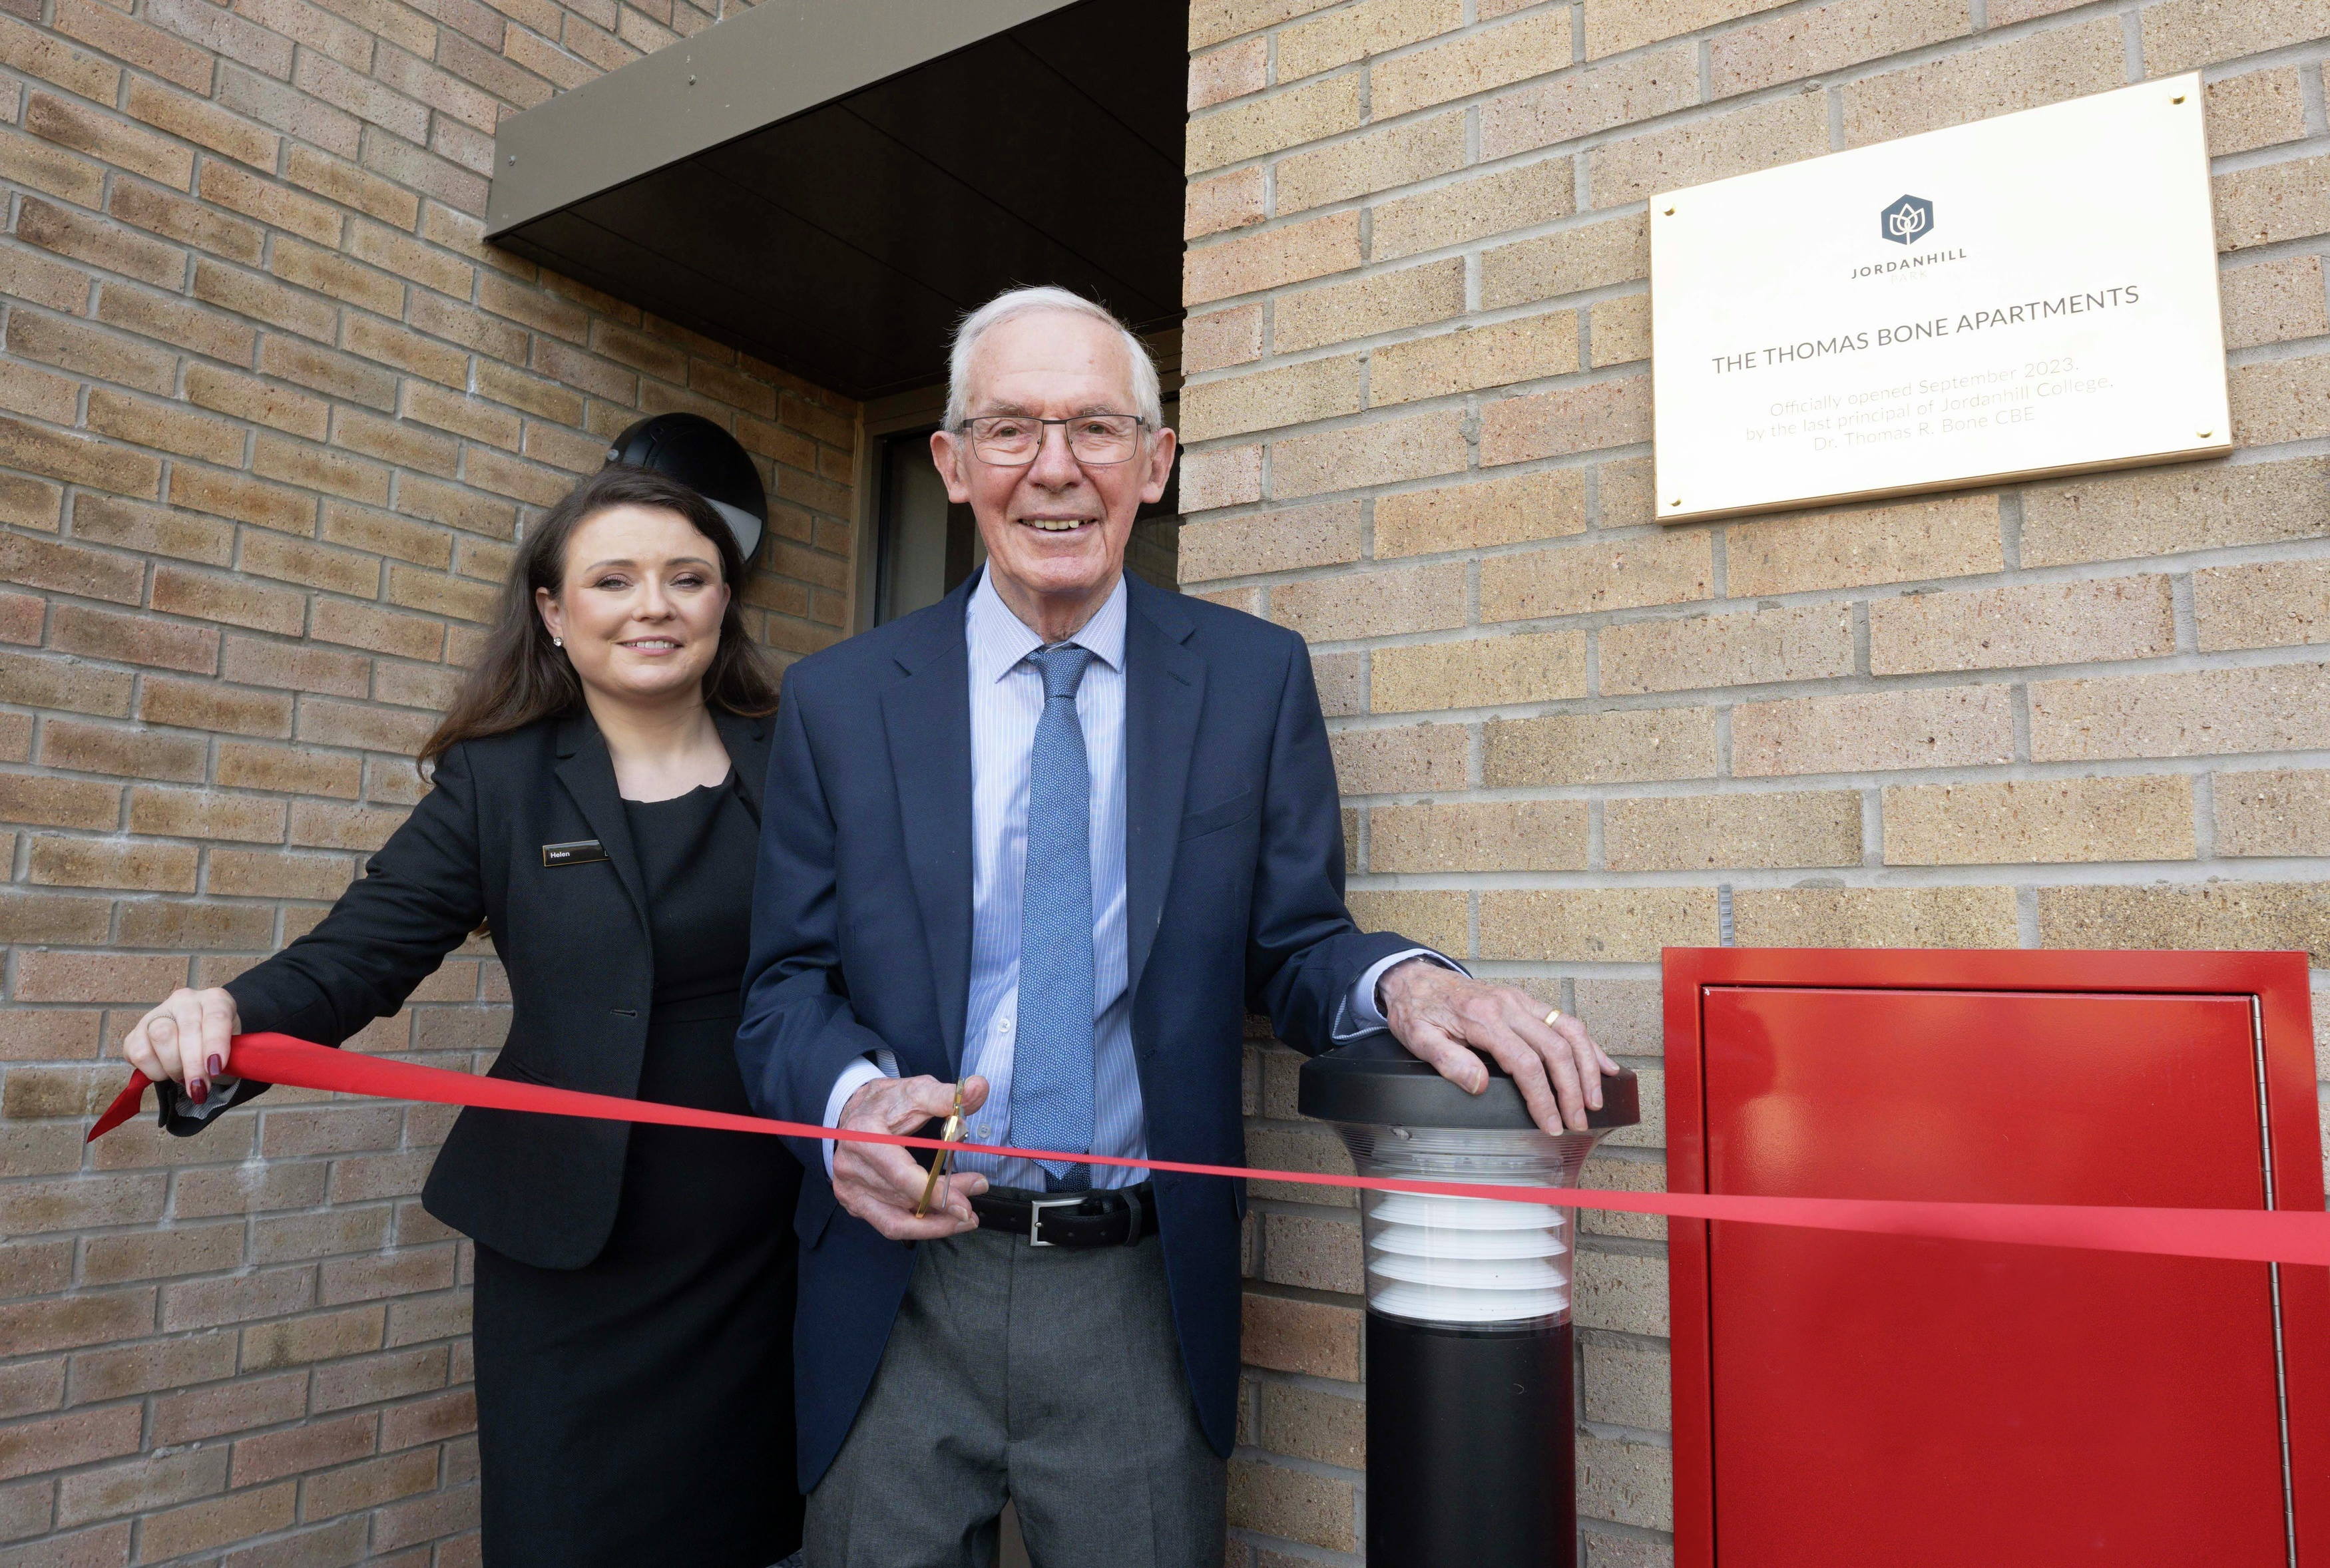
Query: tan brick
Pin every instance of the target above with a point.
(1621, 330)
(1569, 419)
(1813, 642)
(1628, 1481)
(1591, 256)
(1479, 672)
(1378, 161)
(112, 863)
(72, 569)
(1624, 1384)
(2265, 604)
(296, 667)
(1311, 1423)
(2255, 110)
(1703, 832)
(208, 706)
(257, 197)
(1528, 349)
(1294, 394)
(1615, 26)
(1480, 61)
(2270, 202)
(199, 121)
(114, 749)
(1221, 74)
(1471, 517)
(1285, 254)
(2050, 820)
(76, 460)
(173, 321)
(1381, 302)
(132, 639)
(1739, 142)
(1826, 38)
(1293, 1505)
(1520, 197)
(36, 52)
(1405, 761)
(1582, 579)
(48, 168)
(235, 600)
(1285, 118)
(2280, 400)
(1874, 917)
(49, 682)
(2274, 302)
(2258, 915)
(75, 1438)
(1313, 1253)
(39, 393)
(1355, 33)
(1212, 21)
(246, 397)
(244, 500)
(1639, 744)
(112, 141)
(1478, 835)
(294, 770)
(1952, 537)
(2002, 627)
(1224, 338)
(2182, 33)
(372, 728)
(156, 424)
(1594, 925)
(28, 800)
(2162, 510)
(1279, 541)
(2273, 812)
(1379, 603)
(1384, 452)
(44, 917)
(201, 814)
(1577, 103)
(1959, 727)
(1984, 82)
(1231, 201)
(2200, 713)
(70, 345)
(248, 294)
(235, 1516)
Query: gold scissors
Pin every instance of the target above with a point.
(939, 1157)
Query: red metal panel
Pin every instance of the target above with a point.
(1845, 1399)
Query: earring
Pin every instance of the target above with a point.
(558, 642)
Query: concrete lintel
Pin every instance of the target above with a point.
(769, 63)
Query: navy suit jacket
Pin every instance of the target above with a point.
(862, 928)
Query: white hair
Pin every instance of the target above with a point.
(1148, 399)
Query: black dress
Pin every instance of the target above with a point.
(639, 1410)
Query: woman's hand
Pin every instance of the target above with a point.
(184, 1039)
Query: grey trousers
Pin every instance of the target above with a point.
(1044, 1376)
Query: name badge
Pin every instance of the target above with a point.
(581, 852)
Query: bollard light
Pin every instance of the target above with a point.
(1471, 1456)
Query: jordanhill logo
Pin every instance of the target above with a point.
(1907, 221)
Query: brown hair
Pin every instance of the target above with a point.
(522, 678)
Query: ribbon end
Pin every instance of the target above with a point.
(125, 1106)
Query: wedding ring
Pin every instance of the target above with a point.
(1553, 1016)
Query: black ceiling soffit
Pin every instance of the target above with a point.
(844, 243)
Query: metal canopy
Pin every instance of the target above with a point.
(830, 186)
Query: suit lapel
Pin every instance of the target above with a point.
(588, 773)
(747, 743)
(927, 718)
(1164, 693)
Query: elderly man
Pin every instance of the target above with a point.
(1036, 850)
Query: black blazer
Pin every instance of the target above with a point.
(574, 939)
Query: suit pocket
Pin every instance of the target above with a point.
(1214, 819)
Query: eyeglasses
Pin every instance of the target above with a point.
(1008, 440)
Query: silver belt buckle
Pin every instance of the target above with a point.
(1036, 1216)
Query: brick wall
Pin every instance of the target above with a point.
(270, 416)
(2069, 715)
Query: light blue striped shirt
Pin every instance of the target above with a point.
(1007, 699)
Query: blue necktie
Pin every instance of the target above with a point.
(1051, 1056)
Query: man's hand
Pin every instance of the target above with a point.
(881, 1183)
(1443, 1018)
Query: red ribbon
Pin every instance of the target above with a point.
(2249, 1235)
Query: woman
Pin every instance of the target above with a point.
(594, 802)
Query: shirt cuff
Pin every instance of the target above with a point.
(1360, 1014)
(855, 1076)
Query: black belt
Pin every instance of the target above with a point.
(1116, 1217)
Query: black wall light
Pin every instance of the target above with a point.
(706, 459)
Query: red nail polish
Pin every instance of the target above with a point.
(218, 1066)
(198, 1092)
